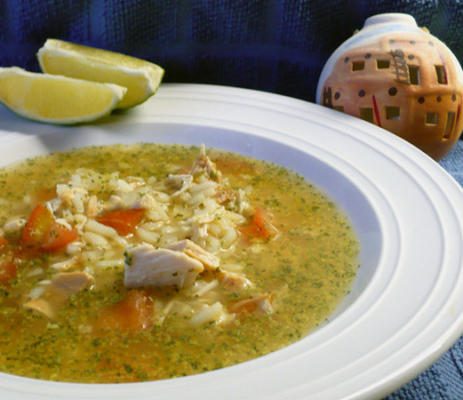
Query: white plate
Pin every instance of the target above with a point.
(405, 308)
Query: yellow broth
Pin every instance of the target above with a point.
(308, 268)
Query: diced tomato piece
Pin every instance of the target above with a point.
(58, 237)
(259, 226)
(43, 233)
(38, 224)
(132, 314)
(123, 221)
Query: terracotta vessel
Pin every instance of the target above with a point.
(399, 77)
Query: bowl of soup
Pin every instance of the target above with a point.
(216, 242)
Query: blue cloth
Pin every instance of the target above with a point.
(272, 45)
(278, 46)
(453, 163)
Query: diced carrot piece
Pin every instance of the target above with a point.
(123, 221)
(3, 242)
(259, 226)
(43, 233)
(132, 314)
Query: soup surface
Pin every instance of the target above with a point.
(144, 262)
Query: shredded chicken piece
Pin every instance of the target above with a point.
(233, 281)
(227, 197)
(204, 164)
(58, 291)
(181, 182)
(256, 304)
(197, 252)
(233, 200)
(147, 266)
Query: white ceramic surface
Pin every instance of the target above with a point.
(405, 308)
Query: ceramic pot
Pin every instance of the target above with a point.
(398, 76)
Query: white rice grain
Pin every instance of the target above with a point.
(114, 263)
(213, 313)
(153, 226)
(161, 196)
(79, 220)
(197, 199)
(103, 230)
(213, 244)
(37, 292)
(118, 241)
(157, 213)
(235, 218)
(92, 256)
(74, 248)
(229, 237)
(147, 236)
(63, 265)
(202, 287)
(215, 229)
(123, 186)
(95, 239)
